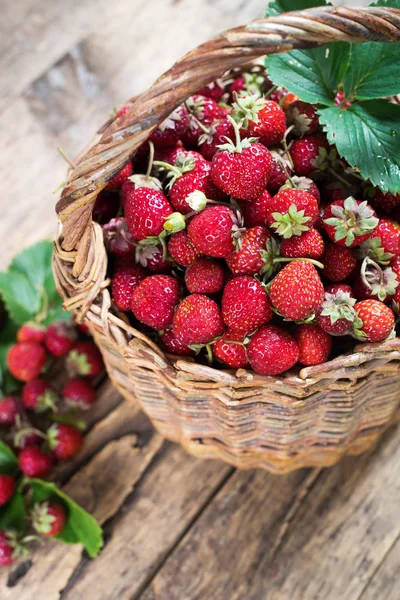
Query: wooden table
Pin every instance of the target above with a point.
(175, 528)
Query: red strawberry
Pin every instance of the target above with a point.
(106, 207)
(201, 110)
(291, 212)
(79, 393)
(9, 409)
(297, 292)
(303, 117)
(242, 170)
(336, 315)
(152, 257)
(339, 99)
(339, 262)
(280, 171)
(272, 351)
(214, 90)
(117, 239)
(308, 245)
(375, 282)
(375, 321)
(154, 299)
(172, 128)
(213, 231)
(7, 547)
(124, 281)
(39, 395)
(123, 110)
(34, 463)
(179, 155)
(218, 132)
(245, 304)
(252, 83)
(349, 222)
(26, 360)
(182, 249)
(60, 338)
(146, 213)
(195, 180)
(7, 488)
(305, 184)
(85, 359)
(173, 346)
(388, 231)
(228, 352)
(65, 441)
(382, 201)
(31, 332)
(197, 321)
(308, 153)
(204, 276)
(314, 343)
(116, 182)
(248, 259)
(261, 118)
(48, 518)
(255, 213)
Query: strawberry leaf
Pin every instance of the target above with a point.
(8, 460)
(366, 135)
(313, 75)
(280, 6)
(13, 514)
(80, 528)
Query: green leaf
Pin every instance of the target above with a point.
(367, 136)
(8, 335)
(389, 3)
(313, 75)
(81, 527)
(374, 71)
(21, 299)
(280, 6)
(8, 460)
(13, 514)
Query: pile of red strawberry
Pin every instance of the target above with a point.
(237, 229)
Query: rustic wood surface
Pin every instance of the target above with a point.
(176, 528)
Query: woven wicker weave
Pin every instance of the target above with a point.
(277, 423)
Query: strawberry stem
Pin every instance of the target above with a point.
(236, 127)
(168, 167)
(68, 420)
(151, 159)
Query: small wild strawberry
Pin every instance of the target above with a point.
(79, 393)
(388, 232)
(245, 304)
(227, 351)
(172, 345)
(26, 360)
(308, 245)
(124, 281)
(255, 213)
(260, 118)
(280, 171)
(213, 231)
(7, 488)
(314, 343)
(85, 359)
(31, 332)
(9, 409)
(48, 518)
(339, 262)
(33, 462)
(291, 212)
(272, 351)
(60, 338)
(197, 320)
(297, 291)
(117, 239)
(248, 258)
(65, 441)
(303, 117)
(382, 201)
(375, 321)
(350, 222)
(39, 395)
(146, 213)
(336, 315)
(105, 207)
(204, 276)
(154, 300)
(182, 249)
(307, 152)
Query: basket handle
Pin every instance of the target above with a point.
(234, 48)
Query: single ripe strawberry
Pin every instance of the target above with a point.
(182, 249)
(154, 300)
(7, 548)
(272, 351)
(152, 257)
(291, 212)
(388, 231)
(85, 359)
(260, 118)
(172, 128)
(65, 441)
(172, 345)
(7, 488)
(255, 213)
(280, 171)
(105, 207)
(48, 518)
(79, 393)
(124, 281)
(242, 170)
(116, 182)
(336, 315)
(303, 116)
(31, 332)
(146, 212)
(248, 258)
(197, 320)
(375, 321)
(26, 360)
(350, 222)
(204, 276)
(9, 409)
(382, 201)
(214, 90)
(117, 239)
(314, 343)
(60, 338)
(297, 291)
(218, 132)
(39, 395)
(212, 231)
(245, 304)
(308, 245)
(33, 462)
(202, 111)
(308, 153)
(230, 353)
(195, 180)
(339, 262)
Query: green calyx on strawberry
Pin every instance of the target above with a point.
(48, 518)
(268, 255)
(186, 164)
(372, 249)
(337, 313)
(291, 223)
(292, 212)
(381, 283)
(350, 222)
(246, 109)
(375, 321)
(12, 547)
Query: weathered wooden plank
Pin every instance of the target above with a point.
(334, 542)
(164, 505)
(385, 581)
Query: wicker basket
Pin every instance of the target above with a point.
(312, 418)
